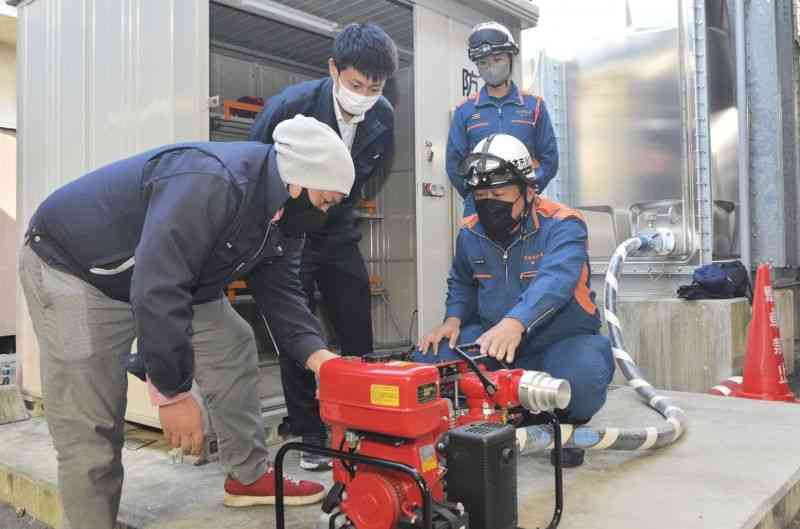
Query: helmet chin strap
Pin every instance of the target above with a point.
(523, 189)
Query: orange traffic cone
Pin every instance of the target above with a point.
(764, 369)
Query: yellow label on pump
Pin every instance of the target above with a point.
(382, 395)
(428, 457)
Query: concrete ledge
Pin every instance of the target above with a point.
(785, 508)
(12, 407)
(693, 345)
(40, 499)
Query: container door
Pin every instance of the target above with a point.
(432, 118)
(444, 76)
(99, 81)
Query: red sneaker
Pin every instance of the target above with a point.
(262, 492)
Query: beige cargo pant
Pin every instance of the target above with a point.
(85, 338)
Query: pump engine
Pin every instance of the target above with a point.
(429, 446)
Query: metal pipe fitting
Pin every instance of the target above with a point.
(661, 241)
(538, 391)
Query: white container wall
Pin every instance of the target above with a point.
(441, 29)
(8, 77)
(8, 177)
(8, 231)
(99, 81)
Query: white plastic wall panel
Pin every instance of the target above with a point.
(99, 81)
(431, 69)
(8, 231)
(8, 83)
(440, 65)
(441, 29)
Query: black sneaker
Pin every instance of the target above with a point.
(570, 457)
(315, 462)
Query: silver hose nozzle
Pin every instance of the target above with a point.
(658, 240)
(538, 391)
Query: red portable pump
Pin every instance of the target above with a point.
(428, 446)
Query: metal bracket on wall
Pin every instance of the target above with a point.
(433, 190)
(796, 13)
(697, 31)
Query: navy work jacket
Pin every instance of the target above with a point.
(172, 227)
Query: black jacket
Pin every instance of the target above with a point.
(172, 227)
(372, 152)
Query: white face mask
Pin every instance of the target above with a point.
(354, 103)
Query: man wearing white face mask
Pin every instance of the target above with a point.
(499, 107)
(351, 102)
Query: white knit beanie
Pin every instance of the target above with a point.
(312, 155)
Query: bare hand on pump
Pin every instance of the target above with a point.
(501, 341)
(182, 422)
(317, 358)
(450, 329)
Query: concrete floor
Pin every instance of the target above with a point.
(737, 467)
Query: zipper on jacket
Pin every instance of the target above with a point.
(505, 253)
(263, 242)
(500, 117)
(258, 252)
(540, 318)
(504, 250)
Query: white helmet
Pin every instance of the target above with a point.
(498, 160)
(490, 38)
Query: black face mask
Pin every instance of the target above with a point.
(495, 217)
(301, 216)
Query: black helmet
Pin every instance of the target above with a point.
(490, 38)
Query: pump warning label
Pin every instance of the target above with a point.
(382, 395)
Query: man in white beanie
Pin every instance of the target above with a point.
(143, 248)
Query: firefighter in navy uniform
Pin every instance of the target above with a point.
(499, 107)
(519, 284)
(351, 102)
